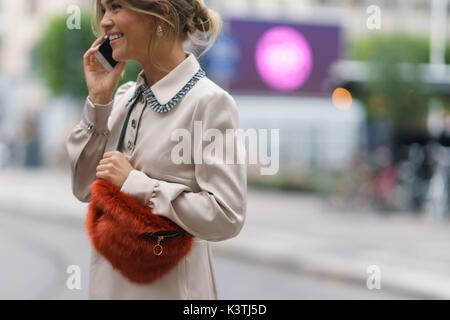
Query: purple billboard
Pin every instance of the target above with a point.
(269, 57)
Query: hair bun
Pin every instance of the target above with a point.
(200, 17)
(201, 25)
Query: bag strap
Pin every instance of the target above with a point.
(115, 130)
(130, 107)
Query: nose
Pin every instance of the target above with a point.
(106, 23)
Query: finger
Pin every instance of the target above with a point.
(98, 41)
(107, 160)
(91, 50)
(89, 55)
(101, 174)
(104, 161)
(104, 167)
(94, 61)
(110, 154)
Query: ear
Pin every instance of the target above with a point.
(165, 9)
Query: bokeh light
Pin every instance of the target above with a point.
(342, 99)
(283, 58)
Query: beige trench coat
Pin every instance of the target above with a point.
(206, 198)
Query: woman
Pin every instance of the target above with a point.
(205, 198)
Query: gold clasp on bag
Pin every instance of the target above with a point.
(158, 249)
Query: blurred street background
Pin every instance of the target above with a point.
(359, 91)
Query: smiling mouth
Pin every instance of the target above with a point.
(115, 37)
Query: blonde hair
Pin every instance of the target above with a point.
(189, 20)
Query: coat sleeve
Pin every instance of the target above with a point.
(86, 143)
(218, 211)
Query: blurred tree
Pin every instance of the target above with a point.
(396, 94)
(58, 57)
(365, 48)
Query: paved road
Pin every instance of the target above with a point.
(36, 252)
(241, 280)
(291, 231)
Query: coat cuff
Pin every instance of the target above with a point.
(95, 116)
(141, 187)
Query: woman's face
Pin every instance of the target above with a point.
(129, 31)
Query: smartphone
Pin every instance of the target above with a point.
(104, 55)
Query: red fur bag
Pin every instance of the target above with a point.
(140, 244)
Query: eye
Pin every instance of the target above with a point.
(115, 6)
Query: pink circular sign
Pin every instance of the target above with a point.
(283, 58)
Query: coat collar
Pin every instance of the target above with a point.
(166, 88)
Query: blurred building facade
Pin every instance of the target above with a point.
(405, 15)
(27, 134)
(21, 22)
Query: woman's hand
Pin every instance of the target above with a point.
(100, 83)
(114, 167)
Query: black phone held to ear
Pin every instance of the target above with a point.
(104, 56)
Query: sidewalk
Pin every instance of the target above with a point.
(297, 232)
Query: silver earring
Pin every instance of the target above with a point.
(159, 31)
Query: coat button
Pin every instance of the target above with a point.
(133, 123)
(130, 145)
